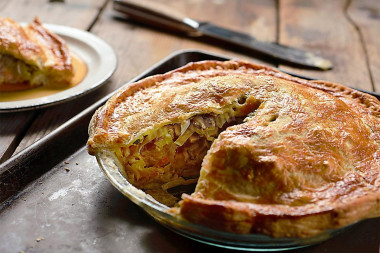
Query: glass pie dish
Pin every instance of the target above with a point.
(247, 242)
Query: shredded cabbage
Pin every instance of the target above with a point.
(174, 151)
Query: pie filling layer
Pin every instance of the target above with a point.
(172, 155)
(15, 71)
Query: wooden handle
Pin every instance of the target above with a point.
(153, 13)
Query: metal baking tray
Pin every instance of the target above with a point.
(54, 198)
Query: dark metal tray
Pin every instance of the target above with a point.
(54, 198)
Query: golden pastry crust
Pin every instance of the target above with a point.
(290, 158)
(33, 55)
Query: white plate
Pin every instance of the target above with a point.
(99, 57)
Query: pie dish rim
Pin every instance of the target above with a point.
(198, 232)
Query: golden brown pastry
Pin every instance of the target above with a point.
(276, 154)
(32, 56)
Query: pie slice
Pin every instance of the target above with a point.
(31, 56)
(270, 153)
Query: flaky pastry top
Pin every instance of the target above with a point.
(170, 97)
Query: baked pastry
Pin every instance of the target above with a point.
(32, 56)
(277, 154)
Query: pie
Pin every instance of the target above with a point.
(31, 56)
(270, 153)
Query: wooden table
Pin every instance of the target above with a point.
(346, 32)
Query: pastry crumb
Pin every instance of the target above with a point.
(67, 169)
(38, 239)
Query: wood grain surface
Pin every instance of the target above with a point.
(336, 30)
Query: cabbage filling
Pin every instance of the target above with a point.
(14, 71)
(172, 155)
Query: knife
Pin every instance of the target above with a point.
(152, 13)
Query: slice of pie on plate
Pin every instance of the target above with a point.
(270, 153)
(32, 56)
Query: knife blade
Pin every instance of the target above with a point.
(152, 13)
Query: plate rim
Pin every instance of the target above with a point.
(97, 45)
